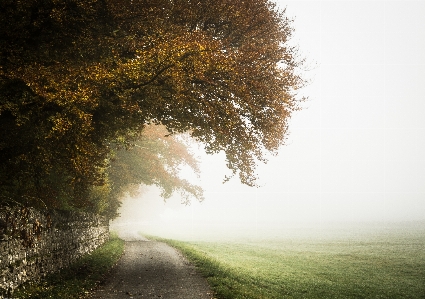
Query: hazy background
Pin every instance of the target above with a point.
(355, 154)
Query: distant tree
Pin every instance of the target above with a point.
(80, 78)
(155, 159)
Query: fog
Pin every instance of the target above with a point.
(354, 156)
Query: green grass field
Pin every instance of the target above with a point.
(382, 266)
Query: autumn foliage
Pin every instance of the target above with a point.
(81, 79)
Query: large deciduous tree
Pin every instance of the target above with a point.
(81, 77)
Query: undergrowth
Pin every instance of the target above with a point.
(80, 278)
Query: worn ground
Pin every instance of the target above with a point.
(150, 269)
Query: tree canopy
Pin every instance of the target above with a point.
(80, 79)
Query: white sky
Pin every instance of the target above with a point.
(355, 153)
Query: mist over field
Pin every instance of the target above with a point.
(237, 216)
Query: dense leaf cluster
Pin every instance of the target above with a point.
(80, 79)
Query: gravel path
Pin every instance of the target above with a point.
(150, 269)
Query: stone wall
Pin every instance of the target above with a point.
(34, 243)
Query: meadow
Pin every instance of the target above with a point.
(384, 264)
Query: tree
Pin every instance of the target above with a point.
(155, 159)
(91, 74)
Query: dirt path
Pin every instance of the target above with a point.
(150, 269)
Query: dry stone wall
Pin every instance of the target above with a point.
(35, 243)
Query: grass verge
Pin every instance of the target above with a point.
(385, 268)
(81, 277)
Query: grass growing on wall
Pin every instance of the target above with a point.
(77, 280)
(388, 267)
